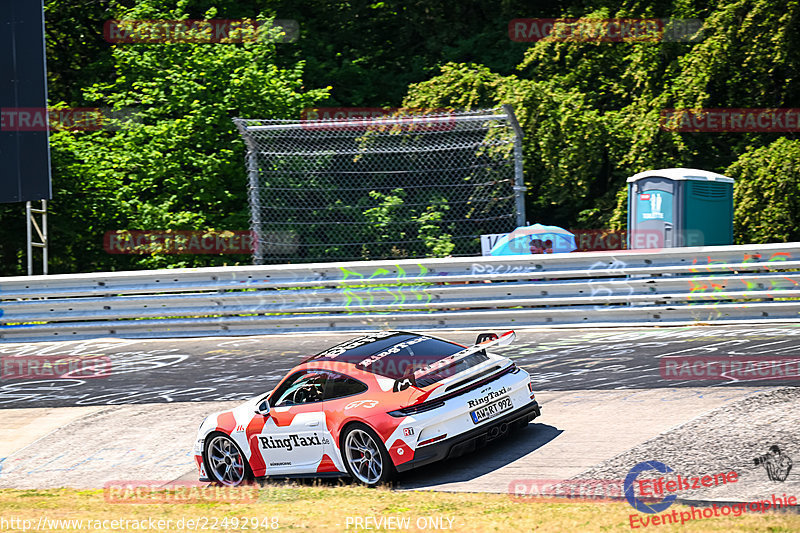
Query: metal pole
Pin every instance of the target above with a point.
(253, 193)
(41, 231)
(519, 181)
(45, 239)
(519, 177)
(30, 237)
(377, 121)
(255, 207)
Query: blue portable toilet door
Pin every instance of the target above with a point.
(654, 207)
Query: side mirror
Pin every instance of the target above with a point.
(263, 408)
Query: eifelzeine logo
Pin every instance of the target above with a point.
(639, 504)
(665, 486)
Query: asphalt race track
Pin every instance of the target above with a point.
(607, 405)
(220, 369)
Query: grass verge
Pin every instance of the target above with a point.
(347, 508)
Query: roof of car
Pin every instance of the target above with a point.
(363, 344)
(388, 352)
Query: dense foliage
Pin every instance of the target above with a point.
(767, 194)
(590, 110)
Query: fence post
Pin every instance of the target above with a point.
(253, 196)
(255, 208)
(519, 177)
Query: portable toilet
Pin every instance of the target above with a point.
(679, 207)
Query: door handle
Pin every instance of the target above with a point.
(312, 424)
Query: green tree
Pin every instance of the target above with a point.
(177, 162)
(767, 193)
(603, 121)
(77, 53)
(566, 145)
(591, 110)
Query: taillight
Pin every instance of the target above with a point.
(530, 388)
(415, 409)
(431, 441)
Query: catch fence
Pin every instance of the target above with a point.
(389, 187)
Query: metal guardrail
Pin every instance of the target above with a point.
(671, 286)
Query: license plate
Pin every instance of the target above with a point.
(491, 410)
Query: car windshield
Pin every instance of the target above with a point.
(391, 354)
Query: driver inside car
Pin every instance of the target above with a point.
(307, 388)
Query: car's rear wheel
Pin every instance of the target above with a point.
(365, 456)
(226, 463)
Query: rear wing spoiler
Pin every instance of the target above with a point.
(485, 340)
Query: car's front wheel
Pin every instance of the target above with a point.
(365, 456)
(226, 463)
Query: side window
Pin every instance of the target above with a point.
(301, 388)
(339, 386)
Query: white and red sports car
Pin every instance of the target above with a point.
(379, 404)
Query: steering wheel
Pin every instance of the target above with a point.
(310, 392)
